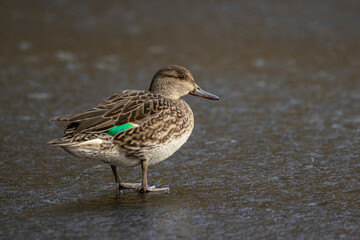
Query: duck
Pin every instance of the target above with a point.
(135, 127)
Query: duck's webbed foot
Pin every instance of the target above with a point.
(120, 185)
(128, 185)
(145, 188)
(152, 189)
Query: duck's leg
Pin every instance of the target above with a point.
(120, 185)
(145, 187)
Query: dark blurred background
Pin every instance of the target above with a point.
(276, 158)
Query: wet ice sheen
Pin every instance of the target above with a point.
(276, 158)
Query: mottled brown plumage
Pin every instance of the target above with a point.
(162, 123)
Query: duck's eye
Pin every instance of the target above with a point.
(181, 76)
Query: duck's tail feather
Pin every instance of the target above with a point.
(60, 142)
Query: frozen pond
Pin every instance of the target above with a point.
(277, 157)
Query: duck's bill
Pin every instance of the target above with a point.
(204, 94)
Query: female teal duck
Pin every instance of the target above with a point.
(134, 128)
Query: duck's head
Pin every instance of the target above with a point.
(174, 81)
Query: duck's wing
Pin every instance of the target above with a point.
(121, 108)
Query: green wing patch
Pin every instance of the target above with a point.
(115, 130)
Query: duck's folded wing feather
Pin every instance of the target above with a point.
(123, 107)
